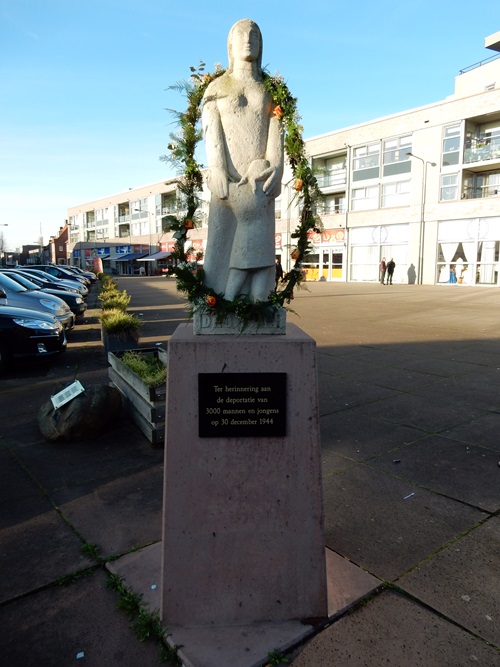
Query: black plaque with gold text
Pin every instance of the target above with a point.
(242, 405)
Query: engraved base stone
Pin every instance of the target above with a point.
(206, 324)
(243, 534)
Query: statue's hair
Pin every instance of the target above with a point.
(250, 24)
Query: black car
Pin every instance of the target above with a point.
(28, 333)
(74, 301)
(57, 283)
(59, 272)
(81, 272)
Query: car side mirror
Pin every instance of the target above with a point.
(2, 293)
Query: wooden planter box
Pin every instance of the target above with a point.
(116, 342)
(145, 404)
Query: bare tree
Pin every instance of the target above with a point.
(3, 248)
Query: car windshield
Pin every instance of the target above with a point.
(10, 284)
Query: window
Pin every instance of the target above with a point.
(366, 162)
(396, 194)
(449, 187)
(451, 145)
(277, 209)
(396, 159)
(477, 186)
(169, 203)
(332, 204)
(365, 198)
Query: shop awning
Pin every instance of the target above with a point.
(130, 257)
(155, 256)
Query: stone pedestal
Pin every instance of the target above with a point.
(243, 524)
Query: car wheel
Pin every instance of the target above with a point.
(4, 357)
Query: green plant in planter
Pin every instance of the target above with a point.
(117, 321)
(148, 367)
(106, 280)
(114, 300)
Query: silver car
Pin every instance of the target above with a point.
(14, 294)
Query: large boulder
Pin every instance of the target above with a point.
(85, 415)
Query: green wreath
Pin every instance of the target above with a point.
(182, 148)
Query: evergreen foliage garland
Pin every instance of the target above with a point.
(182, 149)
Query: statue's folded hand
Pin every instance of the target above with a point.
(258, 170)
(272, 186)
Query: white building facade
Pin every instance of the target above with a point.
(421, 187)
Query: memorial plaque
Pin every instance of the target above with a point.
(242, 405)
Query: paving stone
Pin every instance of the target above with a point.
(14, 482)
(421, 412)
(463, 472)
(391, 630)
(59, 465)
(386, 525)
(462, 581)
(36, 551)
(52, 628)
(357, 437)
(482, 431)
(119, 515)
(335, 396)
(472, 391)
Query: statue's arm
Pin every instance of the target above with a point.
(275, 157)
(217, 179)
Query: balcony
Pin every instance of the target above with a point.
(480, 192)
(335, 180)
(481, 151)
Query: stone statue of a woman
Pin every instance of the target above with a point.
(244, 146)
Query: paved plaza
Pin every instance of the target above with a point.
(409, 393)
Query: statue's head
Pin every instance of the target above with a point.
(244, 42)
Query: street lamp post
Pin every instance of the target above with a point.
(421, 235)
(149, 214)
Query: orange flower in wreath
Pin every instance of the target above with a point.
(278, 112)
(299, 184)
(211, 301)
(189, 224)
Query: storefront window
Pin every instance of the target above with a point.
(468, 252)
(370, 244)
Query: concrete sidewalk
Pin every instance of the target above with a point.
(409, 382)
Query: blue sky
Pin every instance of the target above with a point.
(83, 92)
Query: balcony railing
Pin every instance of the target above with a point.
(472, 192)
(332, 209)
(336, 179)
(480, 152)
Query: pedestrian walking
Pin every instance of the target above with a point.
(391, 265)
(279, 272)
(383, 269)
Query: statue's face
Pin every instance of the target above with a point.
(246, 42)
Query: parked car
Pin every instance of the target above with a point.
(14, 294)
(60, 272)
(59, 283)
(79, 271)
(28, 333)
(73, 299)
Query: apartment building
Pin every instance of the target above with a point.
(421, 187)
